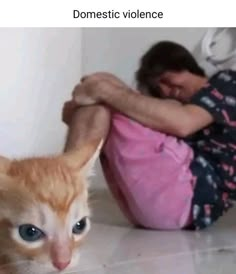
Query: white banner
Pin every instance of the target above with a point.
(78, 13)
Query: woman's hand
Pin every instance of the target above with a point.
(92, 88)
(106, 76)
(68, 111)
(90, 91)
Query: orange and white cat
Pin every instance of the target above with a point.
(44, 212)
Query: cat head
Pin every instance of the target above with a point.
(44, 212)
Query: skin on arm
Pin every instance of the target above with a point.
(169, 116)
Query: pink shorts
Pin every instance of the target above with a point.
(148, 174)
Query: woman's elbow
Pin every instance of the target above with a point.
(181, 131)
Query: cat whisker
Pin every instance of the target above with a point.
(94, 201)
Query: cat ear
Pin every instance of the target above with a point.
(83, 159)
(4, 164)
(13, 198)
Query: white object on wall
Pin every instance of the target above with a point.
(218, 50)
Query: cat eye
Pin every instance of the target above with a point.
(30, 233)
(80, 226)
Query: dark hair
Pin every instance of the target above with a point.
(162, 57)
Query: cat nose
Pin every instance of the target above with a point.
(60, 265)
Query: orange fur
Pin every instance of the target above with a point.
(49, 180)
(45, 192)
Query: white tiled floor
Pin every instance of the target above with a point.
(115, 247)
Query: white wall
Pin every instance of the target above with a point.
(38, 69)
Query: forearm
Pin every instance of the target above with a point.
(168, 116)
(160, 114)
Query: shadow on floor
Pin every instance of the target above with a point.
(105, 209)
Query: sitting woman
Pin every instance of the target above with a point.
(169, 152)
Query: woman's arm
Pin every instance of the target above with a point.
(169, 116)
